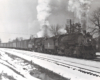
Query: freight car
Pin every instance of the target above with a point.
(23, 44)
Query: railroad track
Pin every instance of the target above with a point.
(88, 69)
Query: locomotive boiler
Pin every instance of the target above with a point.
(73, 45)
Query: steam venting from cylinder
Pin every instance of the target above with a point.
(80, 9)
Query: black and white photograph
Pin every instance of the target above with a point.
(49, 39)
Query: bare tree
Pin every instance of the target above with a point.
(55, 29)
(95, 19)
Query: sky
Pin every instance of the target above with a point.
(18, 18)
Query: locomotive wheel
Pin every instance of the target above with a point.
(54, 51)
(84, 53)
(38, 50)
(51, 51)
(35, 49)
(67, 52)
(41, 49)
(59, 52)
(77, 52)
(71, 51)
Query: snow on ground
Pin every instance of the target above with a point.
(63, 71)
(10, 70)
(88, 64)
(16, 68)
(62, 58)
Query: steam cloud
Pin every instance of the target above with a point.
(50, 8)
(43, 10)
(58, 11)
(50, 12)
(80, 9)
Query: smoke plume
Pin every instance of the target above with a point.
(51, 12)
(80, 9)
(43, 10)
(56, 12)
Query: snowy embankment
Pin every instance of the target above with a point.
(11, 70)
(61, 70)
(88, 64)
(16, 68)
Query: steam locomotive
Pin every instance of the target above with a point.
(72, 45)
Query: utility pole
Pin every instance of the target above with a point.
(70, 26)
